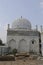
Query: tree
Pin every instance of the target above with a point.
(1, 42)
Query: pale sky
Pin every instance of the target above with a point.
(12, 9)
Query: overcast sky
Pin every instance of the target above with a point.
(12, 9)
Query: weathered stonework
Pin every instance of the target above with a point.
(24, 40)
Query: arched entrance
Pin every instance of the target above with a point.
(12, 44)
(22, 45)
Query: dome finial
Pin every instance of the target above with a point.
(21, 16)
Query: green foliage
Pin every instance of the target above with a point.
(0, 42)
(14, 51)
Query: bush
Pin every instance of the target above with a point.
(14, 51)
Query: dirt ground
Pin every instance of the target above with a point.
(22, 62)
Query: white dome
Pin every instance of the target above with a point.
(21, 23)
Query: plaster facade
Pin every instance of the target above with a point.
(23, 38)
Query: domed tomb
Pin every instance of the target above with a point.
(21, 23)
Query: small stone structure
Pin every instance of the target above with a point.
(22, 37)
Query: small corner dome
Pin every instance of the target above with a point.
(21, 23)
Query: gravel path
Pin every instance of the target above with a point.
(22, 62)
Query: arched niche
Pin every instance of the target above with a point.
(33, 46)
(12, 44)
(22, 45)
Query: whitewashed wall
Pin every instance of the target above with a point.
(42, 42)
(27, 39)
